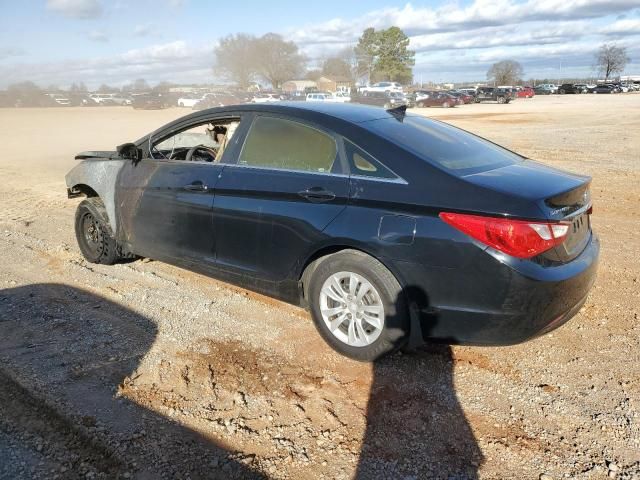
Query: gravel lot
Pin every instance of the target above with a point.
(144, 370)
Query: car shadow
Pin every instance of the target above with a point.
(415, 426)
(64, 352)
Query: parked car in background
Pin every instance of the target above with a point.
(429, 227)
(457, 96)
(81, 100)
(150, 101)
(525, 92)
(543, 90)
(218, 99)
(60, 99)
(466, 97)
(189, 100)
(428, 98)
(605, 88)
(29, 99)
(341, 97)
(493, 94)
(571, 88)
(383, 87)
(468, 91)
(319, 97)
(107, 99)
(266, 98)
(549, 86)
(380, 99)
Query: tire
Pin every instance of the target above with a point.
(387, 106)
(382, 291)
(420, 104)
(445, 105)
(562, 92)
(93, 233)
(501, 99)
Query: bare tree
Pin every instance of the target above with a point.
(335, 66)
(506, 72)
(611, 59)
(236, 59)
(278, 60)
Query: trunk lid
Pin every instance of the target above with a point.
(559, 195)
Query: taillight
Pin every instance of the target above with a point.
(518, 238)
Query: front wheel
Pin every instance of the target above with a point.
(501, 99)
(93, 234)
(358, 306)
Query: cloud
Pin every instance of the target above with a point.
(147, 30)
(83, 9)
(175, 61)
(622, 27)
(7, 52)
(452, 18)
(98, 36)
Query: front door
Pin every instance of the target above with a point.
(274, 202)
(165, 200)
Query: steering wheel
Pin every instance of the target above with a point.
(192, 150)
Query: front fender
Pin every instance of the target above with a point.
(101, 177)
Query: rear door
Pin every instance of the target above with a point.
(273, 202)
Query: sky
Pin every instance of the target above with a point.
(58, 42)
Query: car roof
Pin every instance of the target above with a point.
(312, 111)
(350, 112)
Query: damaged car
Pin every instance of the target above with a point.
(391, 228)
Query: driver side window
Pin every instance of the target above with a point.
(205, 142)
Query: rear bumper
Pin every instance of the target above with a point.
(499, 300)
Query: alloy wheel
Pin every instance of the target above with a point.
(352, 309)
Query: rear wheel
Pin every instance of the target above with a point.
(93, 233)
(501, 99)
(562, 92)
(445, 105)
(358, 306)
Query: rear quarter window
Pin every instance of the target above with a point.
(443, 145)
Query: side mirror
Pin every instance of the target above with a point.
(129, 151)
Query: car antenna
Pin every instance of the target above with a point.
(398, 112)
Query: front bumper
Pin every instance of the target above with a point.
(499, 300)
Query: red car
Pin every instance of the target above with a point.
(435, 99)
(525, 92)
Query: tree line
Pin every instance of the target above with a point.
(379, 55)
(609, 60)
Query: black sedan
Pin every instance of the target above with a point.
(386, 225)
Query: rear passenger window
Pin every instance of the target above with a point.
(363, 164)
(284, 144)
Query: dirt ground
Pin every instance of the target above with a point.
(143, 370)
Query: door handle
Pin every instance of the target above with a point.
(196, 187)
(317, 194)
